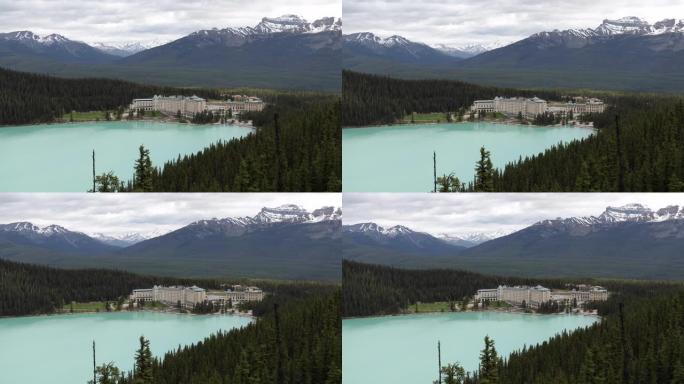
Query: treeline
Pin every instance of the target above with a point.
(370, 290)
(27, 289)
(299, 343)
(27, 98)
(303, 155)
(374, 99)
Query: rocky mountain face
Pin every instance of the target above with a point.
(52, 237)
(398, 238)
(366, 45)
(281, 242)
(55, 47)
(282, 52)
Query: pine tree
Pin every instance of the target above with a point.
(484, 173)
(143, 363)
(143, 171)
(489, 363)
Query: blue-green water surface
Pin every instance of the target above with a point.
(399, 158)
(58, 349)
(403, 349)
(57, 157)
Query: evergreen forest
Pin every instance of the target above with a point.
(27, 98)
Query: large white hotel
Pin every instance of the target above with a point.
(535, 296)
(529, 108)
(189, 296)
(190, 105)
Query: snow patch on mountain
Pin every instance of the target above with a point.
(126, 48)
(469, 50)
(470, 239)
(633, 213)
(630, 25)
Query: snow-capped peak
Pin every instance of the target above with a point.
(469, 50)
(629, 212)
(633, 213)
(30, 228)
(283, 213)
(30, 37)
(396, 230)
(624, 25)
(473, 238)
(126, 48)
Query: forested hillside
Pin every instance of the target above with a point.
(27, 289)
(32, 98)
(300, 344)
(374, 99)
(648, 156)
(307, 159)
(648, 349)
(380, 290)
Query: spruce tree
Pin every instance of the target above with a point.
(143, 363)
(484, 172)
(143, 171)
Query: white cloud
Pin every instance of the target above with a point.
(456, 214)
(131, 20)
(463, 22)
(144, 213)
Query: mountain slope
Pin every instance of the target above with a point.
(630, 241)
(20, 46)
(283, 52)
(283, 242)
(52, 238)
(398, 245)
(626, 54)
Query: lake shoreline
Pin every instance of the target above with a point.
(238, 314)
(235, 123)
(496, 310)
(502, 122)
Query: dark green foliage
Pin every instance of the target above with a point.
(27, 289)
(652, 148)
(309, 351)
(143, 363)
(372, 99)
(143, 171)
(30, 98)
(310, 153)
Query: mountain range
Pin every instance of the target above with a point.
(281, 52)
(282, 242)
(631, 241)
(628, 53)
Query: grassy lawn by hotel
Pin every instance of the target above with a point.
(433, 117)
(84, 116)
(439, 306)
(91, 306)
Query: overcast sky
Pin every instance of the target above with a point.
(135, 20)
(144, 213)
(456, 214)
(462, 22)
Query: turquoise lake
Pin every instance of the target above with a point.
(58, 349)
(57, 157)
(399, 158)
(403, 349)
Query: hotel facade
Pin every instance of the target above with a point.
(529, 108)
(535, 296)
(186, 296)
(188, 106)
